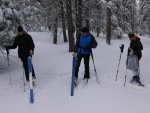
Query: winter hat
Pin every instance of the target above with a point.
(84, 30)
(131, 34)
(20, 29)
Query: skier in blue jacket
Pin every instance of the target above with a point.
(84, 43)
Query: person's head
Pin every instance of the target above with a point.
(20, 30)
(131, 36)
(84, 31)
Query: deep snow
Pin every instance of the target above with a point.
(53, 67)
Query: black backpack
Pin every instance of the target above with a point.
(94, 43)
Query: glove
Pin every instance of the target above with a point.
(74, 54)
(7, 50)
(31, 53)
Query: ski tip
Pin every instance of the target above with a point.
(142, 85)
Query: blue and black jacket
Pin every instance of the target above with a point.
(85, 43)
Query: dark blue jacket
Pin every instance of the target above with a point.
(85, 43)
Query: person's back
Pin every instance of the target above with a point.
(25, 44)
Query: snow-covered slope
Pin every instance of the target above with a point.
(53, 66)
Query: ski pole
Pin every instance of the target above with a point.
(126, 72)
(139, 69)
(8, 66)
(30, 78)
(118, 67)
(23, 79)
(73, 75)
(122, 47)
(125, 77)
(97, 79)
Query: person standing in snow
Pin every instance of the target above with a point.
(135, 49)
(84, 43)
(25, 49)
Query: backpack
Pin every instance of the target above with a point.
(94, 42)
(132, 62)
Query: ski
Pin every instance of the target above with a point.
(85, 82)
(76, 82)
(138, 83)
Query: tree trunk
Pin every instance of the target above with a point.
(98, 22)
(76, 13)
(55, 31)
(133, 13)
(63, 21)
(77, 18)
(132, 19)
(98, 30)
(88, 24)
(87, 18)
(71, 28)
(108, 35)
(49, 27)
(78, 4)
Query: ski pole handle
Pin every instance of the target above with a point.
(29, 64)
(122, 47)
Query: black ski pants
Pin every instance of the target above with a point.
(24, 60)
(86, 58)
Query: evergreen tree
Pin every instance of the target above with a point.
(31, 14)
(144, 17)
(9, 21)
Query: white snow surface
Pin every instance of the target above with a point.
(53, 68)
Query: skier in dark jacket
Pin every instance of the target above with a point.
(84, 43)
(135, 49)
(25, 49)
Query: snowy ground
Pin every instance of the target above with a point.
(53, 66)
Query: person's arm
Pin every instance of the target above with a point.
(31, 45)
(15, 44)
